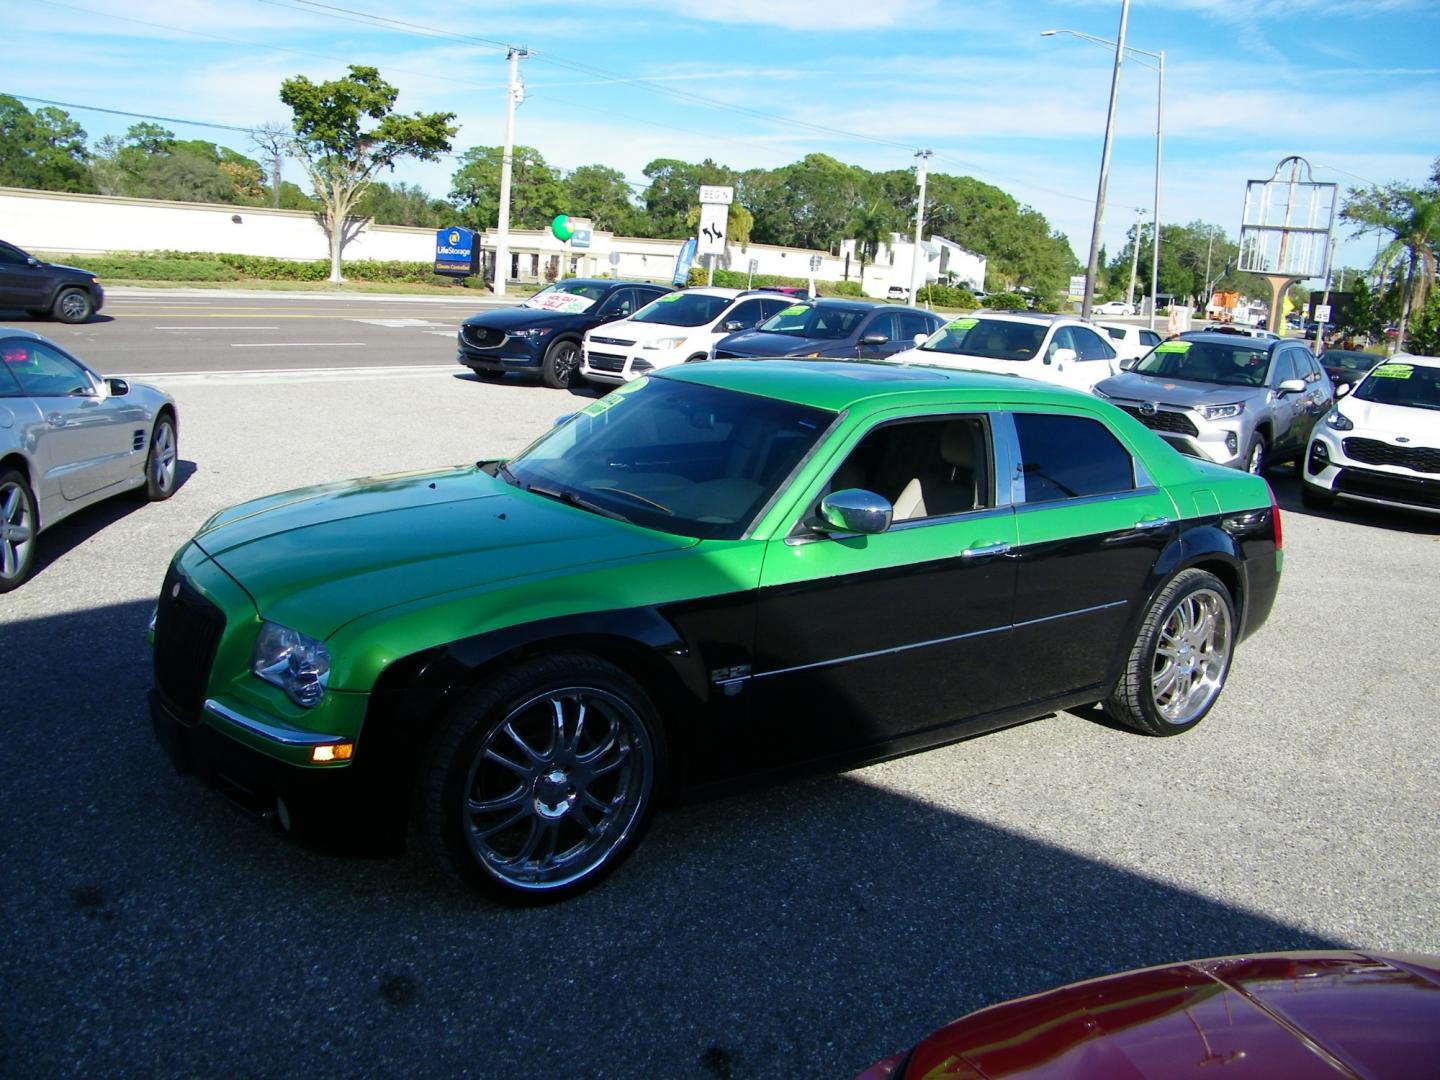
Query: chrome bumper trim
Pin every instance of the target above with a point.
(285, 736)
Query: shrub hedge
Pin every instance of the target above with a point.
(207, 266)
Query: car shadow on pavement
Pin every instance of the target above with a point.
(28, 321)
(60, 539)
(1287, 493)
(803, 930)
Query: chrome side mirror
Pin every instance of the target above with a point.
(876, 338)
(856, 510)
(1292, 386)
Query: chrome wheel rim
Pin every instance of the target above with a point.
(1192, 656)
(17, 530)
(162, 457)
(567, 359)
(556, 787)
(72, 305)
(1257, 458)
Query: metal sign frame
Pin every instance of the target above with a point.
(1287, 222)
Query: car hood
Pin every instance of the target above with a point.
(316, 558)
(517, 318)
(1132, 386)
(71, 269)
(1317, 1014)
(763, 343)
(628, 330)
(1420, 426)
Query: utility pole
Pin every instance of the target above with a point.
(1325, 299)
(514, 95)
(1135, 254)
(920, 177)
(1155, 237)
(1105, 169)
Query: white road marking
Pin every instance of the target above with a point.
(296, 375)
(292, 344)
(397, 323)
(215, 328)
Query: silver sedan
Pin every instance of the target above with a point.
(69, 438)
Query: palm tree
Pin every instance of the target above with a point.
(869, 225)
(1411, 218)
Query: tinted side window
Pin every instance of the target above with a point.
(912, 323)
(1284, 367)
(748, 313)
(620, 302)
(1149, 338)
(1091, 345)
(9, 387)
(770, 307)
(1115, 332)
(9, 254)
(1063, 339)
(43, 372)
(1069, 457)
(882, 324)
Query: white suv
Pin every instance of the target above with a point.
(1051, 348)
(673, 329)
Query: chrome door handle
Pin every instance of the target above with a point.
(1150, 524)
(979, 552)
(55, 419)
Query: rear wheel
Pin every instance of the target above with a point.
(542, 780)
(73, 306)
(1178, 664)
(18, 526)
(562, 360)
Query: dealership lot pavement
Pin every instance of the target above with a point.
(802, 930)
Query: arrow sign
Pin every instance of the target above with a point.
(713, 220)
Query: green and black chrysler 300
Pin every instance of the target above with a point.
(728, 570)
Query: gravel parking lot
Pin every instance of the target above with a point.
(803, 930)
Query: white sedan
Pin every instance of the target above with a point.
(1114, 307)
(1381, 443)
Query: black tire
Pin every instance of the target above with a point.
(1315, 497)
(581, 796)
(73, 306)
(162, 461)
(19, 526)
(1257, 455)
(562, 359)
(1181, 656)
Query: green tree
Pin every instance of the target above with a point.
(1410, 217)
(675, 189)
(44, 150)
(346, 131)
(602, 195)
(404, 204)
(870, 226)
(536, 191)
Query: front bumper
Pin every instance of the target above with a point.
(1329, 467)
(615, 365)
(506, 353)
(1225, 442)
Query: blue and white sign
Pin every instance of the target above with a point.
(582, 232)
(457, 252)
(683, 261)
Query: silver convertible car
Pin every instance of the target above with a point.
(69, 438)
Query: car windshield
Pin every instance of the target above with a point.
(996, 338)
(568, 296)
(1399, 383)
(683, 309)
(1244, 363)
(668, 455)
(813, 321)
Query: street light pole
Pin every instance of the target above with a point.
(514, 94)
(1159, 67)
(920, 177)
(1135, 253)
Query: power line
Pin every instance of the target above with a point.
(137, 116)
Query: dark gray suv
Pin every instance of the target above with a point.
(1238, 401)
(70, 294)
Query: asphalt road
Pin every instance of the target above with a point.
(147, 928)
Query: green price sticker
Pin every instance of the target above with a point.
(1174, 347)
(1392, 371)
(962, 324)
(604, 404)
(669, 298)
(794, 309)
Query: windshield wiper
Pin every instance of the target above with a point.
(503, 471)
(565, 495)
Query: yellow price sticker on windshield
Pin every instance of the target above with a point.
(1392, 371)
(1174, 346)
(962, 324)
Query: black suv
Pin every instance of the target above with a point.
(542, 335)
(43, 289)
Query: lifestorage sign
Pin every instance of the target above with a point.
(457, 252)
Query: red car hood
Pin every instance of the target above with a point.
(1293, 1015)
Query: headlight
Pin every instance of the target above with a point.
(1222, 412)
(1339, 421)
(665, 343)
(297, 664)
(533, 333)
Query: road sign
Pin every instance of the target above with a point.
(714, 217)
(457, 252)
(1322, 313)
(814, 263)
(580, 232)
(1077, 285)
(754, 265)
(719, 196)
(614, 258)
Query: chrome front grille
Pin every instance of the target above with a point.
(1177, 423)
(611, 341)
(599, 361)
(482, 337)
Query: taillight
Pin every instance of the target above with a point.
(1275, 520)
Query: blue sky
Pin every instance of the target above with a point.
(1350, 84)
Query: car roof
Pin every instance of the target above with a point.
(715, 290)
(1219, 337)
(1037, 318)
(837, 384)
(16, 331)
(1410, 358)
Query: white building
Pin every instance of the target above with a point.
(940, 260)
